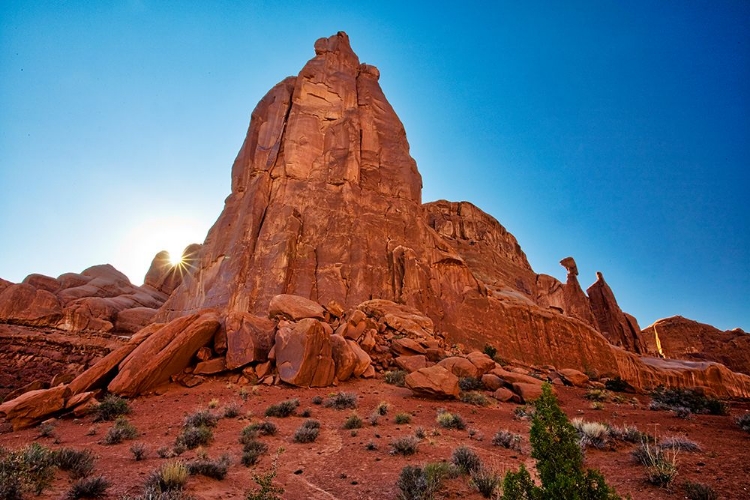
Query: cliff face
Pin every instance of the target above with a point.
(682, 338)
(325, 200)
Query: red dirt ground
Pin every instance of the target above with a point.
(338, 466)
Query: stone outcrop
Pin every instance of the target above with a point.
(164, 276)
(304, 355)
(682, 338)
(610, 319)
(165, 352)
(433, 382)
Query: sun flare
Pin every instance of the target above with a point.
(175, 258)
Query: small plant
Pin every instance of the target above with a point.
(660, 463)
(252, 450)
(470, 384)
(490, 350)
(402, 418)
(77, 463)
(283, 409)
(29, 469)
(91, 487)
(682, 412)
(466, 460)
(266, 489)
(265, 428)
(395, 377)
(450, 420)
(419, 433)
(596, 405)
(628, 434)
(373, 418)
(216, 469)
(306, 413)
(232, 410)
(244, 394)
(523, 412)
(591, 433)
(317, 400)
(679, 443)
(486, 481)
(111, 407)
(201, 418)
(416, 483)
(743, 422)
(600, 395)
(342, 401)
(121, 431)
(92, 430)
(507, 439)
(214, 403)
(353, 422)
(191, 437)
(370, 446)
(46, 429)
(475, 398)
(699, 491)
(164, 452)
(308, 432)
(138, 450)
(692, 399)
(382, 408)
(405, 446)
(170, 476)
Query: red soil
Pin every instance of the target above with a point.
(338, 466)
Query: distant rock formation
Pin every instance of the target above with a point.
(682, 338)
(612, 322)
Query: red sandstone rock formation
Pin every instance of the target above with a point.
(612, 322)
(326, 209)
(682, 338)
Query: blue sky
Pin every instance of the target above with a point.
(615, 132)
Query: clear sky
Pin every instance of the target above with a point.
(615, 132)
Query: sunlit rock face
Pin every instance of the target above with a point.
(326, 204)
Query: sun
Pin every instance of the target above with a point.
(175, 258)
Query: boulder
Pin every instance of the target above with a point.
(42, 282)
(527, 392)
(512, 377)
(249, 339)
(407, 347)
(483, 362)
(343, 357)
(295, 308)
(492, 382)
(34, 406)
(573, 377)
(164, 353)
(460, 367)
(504, 395)
(304, 354)
(433, 382)
(133, 319)
(363, 366)
(411, 363)
(25, 305)
(211, 367)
